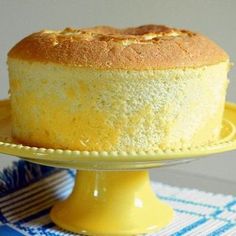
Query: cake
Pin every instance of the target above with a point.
(109, 89)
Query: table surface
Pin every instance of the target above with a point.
(197, 213)
(190, 180)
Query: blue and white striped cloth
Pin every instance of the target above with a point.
(28, 191)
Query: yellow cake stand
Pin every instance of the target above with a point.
(112, 193)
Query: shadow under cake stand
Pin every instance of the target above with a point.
(112, 194)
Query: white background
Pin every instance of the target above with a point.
(214, 18)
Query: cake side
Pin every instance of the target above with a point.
(137, 48)
(58, 106)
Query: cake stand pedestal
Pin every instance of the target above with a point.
(112, 203)
(112, 194)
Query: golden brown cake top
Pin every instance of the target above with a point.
(104, 47)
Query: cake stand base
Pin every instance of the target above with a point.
(112, 203)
